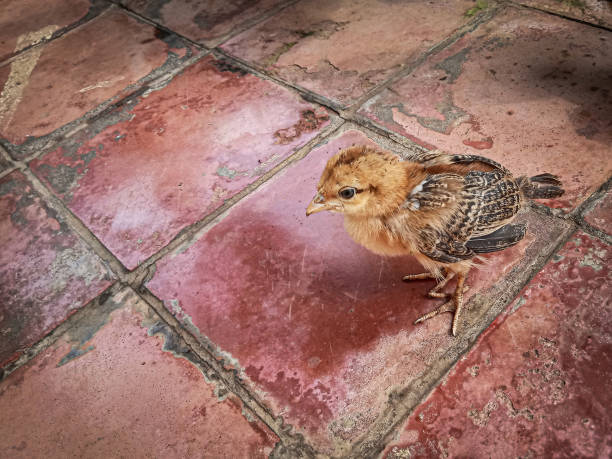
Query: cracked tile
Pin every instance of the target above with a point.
(527, 89)
(120, 52)
(204, 21)
(535, 384)
(47, 271)
(167, 159)
(343, 49)
(318, 324)
(114, 386)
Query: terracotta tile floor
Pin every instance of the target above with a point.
(163, 294)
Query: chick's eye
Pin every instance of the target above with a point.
(347, 193)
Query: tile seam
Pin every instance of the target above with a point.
(50, 338)
(481, 18)
(54, 138)
(60, 33)
(81, 230)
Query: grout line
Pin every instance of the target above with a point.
(49, 339)
(596, 232)
(9, 162)
(158, 77)
(292, 441)
(94, 12)
(480, 19)
(348, 112)
(242, 27)
(75, 224)
(249, 24)
(157, 25)
(263, 74)
(562, 16)
(591, 202)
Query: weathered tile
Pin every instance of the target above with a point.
(594, 11)
(319, 324)
(46, 271)
(537, 382)
(343, 49)
(4, 162)
(204, 21)
(165, 161)
(24, 23)
(103, 58)
(527, 89)
(108, 388)
(601, 215)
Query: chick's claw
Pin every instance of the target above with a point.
(455, 305)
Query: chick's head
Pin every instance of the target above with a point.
(360, 181)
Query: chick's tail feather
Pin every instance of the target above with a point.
(542, 186)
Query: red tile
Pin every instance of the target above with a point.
(593, 11)
(536, 384)
(24, 23)
(319, 324)
(204, 21)
(170, 158)
(527, 89)
(103, 57)
(343, 49)
(601, 215)
(46, 271)
(108, 389)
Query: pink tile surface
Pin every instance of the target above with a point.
(121, 396)
(343, 49)
(204, 21)
(167, 160)
(593, 11)
(512, 91)
(102, 58)
(601, 215)
(46, 271)
(537, 382)
(26, 22)
(309, 318)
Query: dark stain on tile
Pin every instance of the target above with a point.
(310, 120)
(83, 330)
(452, 65)
(226, 66)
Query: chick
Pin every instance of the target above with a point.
(442, 209)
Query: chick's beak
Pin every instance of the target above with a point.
(317, 204)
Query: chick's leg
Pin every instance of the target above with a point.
(434, 292)
(454, 304)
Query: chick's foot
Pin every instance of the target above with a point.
(455, 305)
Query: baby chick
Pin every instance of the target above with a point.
(442, 209)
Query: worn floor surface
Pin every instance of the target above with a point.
(163, 294)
